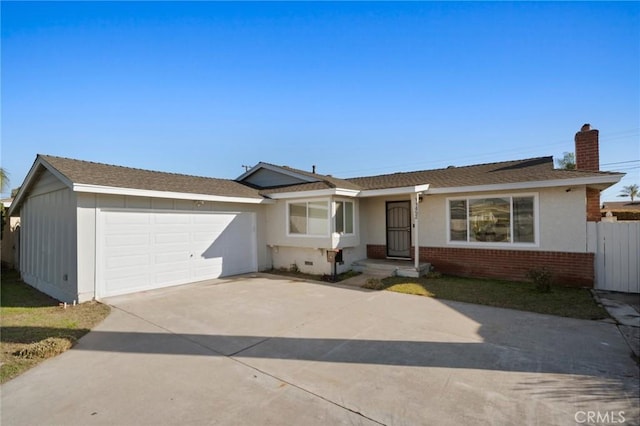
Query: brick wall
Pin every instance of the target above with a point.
(587, 150)
(588, 158)
(593, 205)
(570, 269)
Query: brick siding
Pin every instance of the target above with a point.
(593, 205)
(587, 150)
(588, 158)
(570, 269)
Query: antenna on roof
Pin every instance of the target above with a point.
(246, 168)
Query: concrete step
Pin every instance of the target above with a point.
(389, 267)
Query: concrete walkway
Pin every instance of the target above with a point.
(624, 308)
(261, 349)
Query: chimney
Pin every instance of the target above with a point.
(587, 152)
(588, 159)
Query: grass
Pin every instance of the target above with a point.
(34, 327)
(561, 301)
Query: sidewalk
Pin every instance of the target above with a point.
(625, 310)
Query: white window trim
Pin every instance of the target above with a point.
(307, 200)
(353, 217)
(510, 196)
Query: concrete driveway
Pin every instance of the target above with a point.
(266, 350)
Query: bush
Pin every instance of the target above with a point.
(373, 284)
(47, 348)
(542, 278)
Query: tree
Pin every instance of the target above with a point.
(4, 179)
(567, 162)
(630, 191)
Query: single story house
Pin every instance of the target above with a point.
(91, 230)
(615, 211)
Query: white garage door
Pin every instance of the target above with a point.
(142, 250)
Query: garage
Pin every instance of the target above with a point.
(141, 250)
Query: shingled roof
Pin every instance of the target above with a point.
(516, 171)
(321, 182)
(90, 173)
(505, 172)
(540, 169)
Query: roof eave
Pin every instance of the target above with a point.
(98, 189)
(601, 182)
(315, 193)
(31, 175)
(394, 191)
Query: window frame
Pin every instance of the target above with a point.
(344, 217)
(326, 201)
(489, 244)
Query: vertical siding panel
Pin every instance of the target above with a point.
(634, 253)
(56, 256)
(618, 251)
(47, 243)
(613, 256)
(39, 238)
(625, 257)
(600, 257)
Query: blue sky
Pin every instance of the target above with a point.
(355, 88)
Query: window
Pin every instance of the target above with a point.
(309, 218)
(500, 219)
(344, 217)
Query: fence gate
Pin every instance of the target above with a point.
(617, 256)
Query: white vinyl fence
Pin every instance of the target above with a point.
(617, 255)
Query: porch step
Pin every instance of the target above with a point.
(390, 268)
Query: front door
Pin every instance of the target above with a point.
(399, 229)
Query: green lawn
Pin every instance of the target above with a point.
(34, 327)
(561, 301)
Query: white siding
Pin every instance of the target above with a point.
(48, 241)
(86, 222)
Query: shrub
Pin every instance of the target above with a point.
(542, 278)
(51, 346)
(373, 284)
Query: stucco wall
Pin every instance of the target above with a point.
(276, 218)
(562, 220)
(285, 257)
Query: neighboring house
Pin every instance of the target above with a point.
(92, 230)
(621, 210)
(9, 249)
